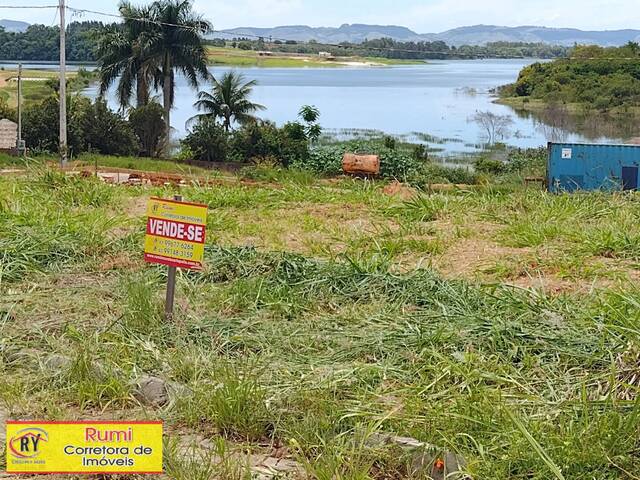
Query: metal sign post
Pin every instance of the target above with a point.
(63, 86)
(175, 237)
(171, 283)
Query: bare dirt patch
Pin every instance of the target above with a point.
(469, 257)
(399, 190)
(137, 207)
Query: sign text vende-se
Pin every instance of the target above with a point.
(175, 233)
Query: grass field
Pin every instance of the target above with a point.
(499, 324)
(34, 85)
(249, 58)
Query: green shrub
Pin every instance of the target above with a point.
(207, 142)
(490, 166)
(394, 163)
(434, 173)
(148, 124)
(256, 140)
(91, 126)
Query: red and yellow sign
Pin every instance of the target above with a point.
(175, 233)
(84, 447)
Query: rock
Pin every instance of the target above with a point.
(151, 391)
(22, 356)
(425, 458)
(57, 362)
(271, 468)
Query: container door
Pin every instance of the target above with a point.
(629, 178)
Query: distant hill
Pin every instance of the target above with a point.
(13, 25)
(482, 34)
(473, 35)
(356, 33)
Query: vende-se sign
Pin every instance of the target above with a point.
(176, 233)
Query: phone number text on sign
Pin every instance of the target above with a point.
(176, 233)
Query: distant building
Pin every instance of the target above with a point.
(8, 136)
(327, 55)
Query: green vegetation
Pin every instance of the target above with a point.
(223, 55)
(38, 85)
(386, 48)
(40, 42)
(92, 127)
(501, 324)
(592, 78)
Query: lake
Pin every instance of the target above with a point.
(431, 103)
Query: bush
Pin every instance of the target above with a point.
(148, 124)
(263, 139)
(529, 161)
(490, 166)
(91, 126)
(433, 173)
(254, 141)
(394, 163)
(107, 132)
(207, 142)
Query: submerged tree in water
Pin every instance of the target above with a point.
(494, 127)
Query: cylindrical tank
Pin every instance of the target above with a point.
(361, 164)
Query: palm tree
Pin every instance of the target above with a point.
(228, 100)
(122, 58)
(171, 38)
(154, 42)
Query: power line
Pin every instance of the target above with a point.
(19, 7)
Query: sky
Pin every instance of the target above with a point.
(422, 16)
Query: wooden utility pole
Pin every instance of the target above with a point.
(63, 86)
(19, 109)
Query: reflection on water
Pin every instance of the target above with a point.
(557, 124)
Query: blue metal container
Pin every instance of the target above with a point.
(574, 166)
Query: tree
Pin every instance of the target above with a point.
(171, 37)
(495, 127)
(310, 114)
(228, 100)
(147, 122)
(122, 57)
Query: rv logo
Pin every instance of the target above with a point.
(28, 442)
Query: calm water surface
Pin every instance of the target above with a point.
(432, 102)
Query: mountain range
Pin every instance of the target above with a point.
(472, 35)
(13, 25)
